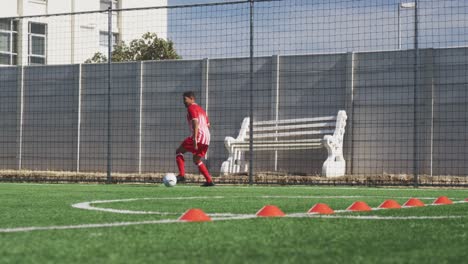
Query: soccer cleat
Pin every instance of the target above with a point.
(180, 179)
(207, 184)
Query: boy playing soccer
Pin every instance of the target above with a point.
(198, 142)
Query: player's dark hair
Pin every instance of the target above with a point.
(189, 94)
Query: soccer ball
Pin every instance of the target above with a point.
(170, 180)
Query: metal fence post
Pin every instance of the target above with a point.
(205, 91)
(275, 80)
(251, 133)
(349, 107)
(78, 143)
(415, 98)
(109, 75)
(21, 118)
(140, 119)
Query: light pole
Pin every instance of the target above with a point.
(408, 5)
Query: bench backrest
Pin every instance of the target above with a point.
(300, 128)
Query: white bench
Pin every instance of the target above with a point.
(290, 134)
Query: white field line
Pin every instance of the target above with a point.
(345, 197)
(234, 217)
(88, 205)
(217, 217)
(116, 224)
(375, 217)
(37, 228)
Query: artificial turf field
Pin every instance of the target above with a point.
(38, 224)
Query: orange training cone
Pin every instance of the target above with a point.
(321, 208)
(195, 215)
(270, 211)
(390, 204)
(443, 200)
(359, 206)
(414, 202)
(466, 200)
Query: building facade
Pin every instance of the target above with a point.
(37, 32)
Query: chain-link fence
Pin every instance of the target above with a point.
(333, 92)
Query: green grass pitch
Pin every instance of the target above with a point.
(38, 224)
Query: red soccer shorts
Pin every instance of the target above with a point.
(188, 145)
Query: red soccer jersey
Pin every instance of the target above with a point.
(194, 111)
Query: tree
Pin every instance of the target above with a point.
(148, 47)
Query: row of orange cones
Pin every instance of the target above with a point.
(197, 215)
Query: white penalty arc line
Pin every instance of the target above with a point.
(376, 217)
(343, 197)
(89, 205)
(217, 217)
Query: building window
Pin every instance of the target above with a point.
(103, 40)
(8, 42)
(105, 4)
(37, 43)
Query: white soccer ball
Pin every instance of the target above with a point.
(170, 180)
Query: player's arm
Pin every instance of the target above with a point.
(195, 127)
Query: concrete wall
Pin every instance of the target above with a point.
(133, 24)
(64, 121)
(9, 10)
(75, 38)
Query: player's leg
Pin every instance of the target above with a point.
(197, 159)
(183, 148)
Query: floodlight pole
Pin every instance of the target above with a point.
(251, 131)
(413, 5)
(109, 75)
(399, 34)
(401, 6)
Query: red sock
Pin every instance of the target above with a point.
(180, 163)
(203, 170)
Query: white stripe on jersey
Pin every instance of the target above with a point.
(199, 114)
(203, 131)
